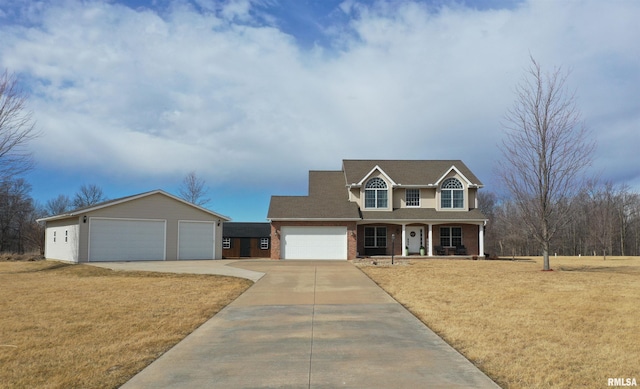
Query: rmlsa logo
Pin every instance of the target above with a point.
(622, 382)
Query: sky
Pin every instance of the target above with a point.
(132, 95)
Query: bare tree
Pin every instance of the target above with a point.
(546, 150)
(16, 205)
(16, 128)
(59, 205)
(88, 195)
(193, 189)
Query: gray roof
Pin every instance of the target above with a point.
(328, 199)
(245, 230)
(406, 172)
(108, 203)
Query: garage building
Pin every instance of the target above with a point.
(148, 226)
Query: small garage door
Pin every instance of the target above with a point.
(314, 242)
(126, 240)
(196, 240)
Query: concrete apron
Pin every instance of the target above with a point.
(311, 324)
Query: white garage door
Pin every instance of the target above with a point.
(314, 242)
(196, 240)
(126, 240)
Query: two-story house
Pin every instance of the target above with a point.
(373, 206)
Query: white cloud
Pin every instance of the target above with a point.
(238, 100)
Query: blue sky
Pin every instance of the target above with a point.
(252, 94)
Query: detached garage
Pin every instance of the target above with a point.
(148, 226)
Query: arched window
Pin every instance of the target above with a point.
(375, 193)
(452, 194)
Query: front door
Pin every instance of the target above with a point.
(415, 239)
(245, 247)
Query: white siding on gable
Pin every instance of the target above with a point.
(62, 243)
(126, 239)
(196, 240)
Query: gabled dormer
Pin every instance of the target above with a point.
(374, 191)
(455, 192)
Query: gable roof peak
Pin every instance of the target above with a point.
(379, 169)
(120, 200)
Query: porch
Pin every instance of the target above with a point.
(421, 240)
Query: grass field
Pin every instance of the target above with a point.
(79, 326)
(573, 327)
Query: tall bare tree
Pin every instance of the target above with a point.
(88, 195)
(193, 189)
(16, 128)
(546, 150)
(58, 205)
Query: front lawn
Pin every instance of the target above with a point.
(574, 327)
(66, 326)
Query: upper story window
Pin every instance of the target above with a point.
(412, 197)
(375, 194)
(452, 194)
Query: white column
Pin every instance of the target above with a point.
(430, 239)
(481, 239)
(404, 237)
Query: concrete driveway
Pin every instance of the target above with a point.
(311, 324)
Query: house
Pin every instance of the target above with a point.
(148, 226)
(246, 240)
(372, 207)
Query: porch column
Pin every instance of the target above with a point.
(481, 239)
(404, 237)
(430, 240)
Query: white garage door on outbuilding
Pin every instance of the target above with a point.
(311, 242)
(126, 239)
(196, 240)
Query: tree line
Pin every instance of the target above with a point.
(19, 230)
(602, 219)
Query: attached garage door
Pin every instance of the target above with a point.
(126, 240)
(196, 240)
(314, 242)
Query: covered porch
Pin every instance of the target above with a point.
(415, 239)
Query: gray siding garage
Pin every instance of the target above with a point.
(148, 226)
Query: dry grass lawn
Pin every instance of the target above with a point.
(573, 327)
(79, 326)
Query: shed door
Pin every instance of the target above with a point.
(126, 240)
(196, 240)
(314, 242)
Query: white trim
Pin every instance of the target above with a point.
(481, 240)
(430, 238)
(454, 168)
(393, 183)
